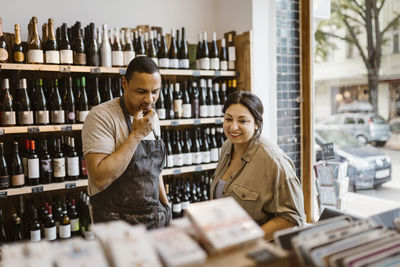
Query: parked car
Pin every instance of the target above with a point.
(363, 159)
(394, 140)
(366, 127)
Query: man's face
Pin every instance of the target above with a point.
(142, 91)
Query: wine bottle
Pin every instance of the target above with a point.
(196, 149)
(41, 110)
(205, 149)
(146, 42)
(72, 162)
(177, 102)
(177, 150)
(57, 114)
(25, 113)
(214, 55)
(185, 200)
(59, 164)
(170, 155)
(50, 231)
(45, 36)
(17, 229)
(210, 99)
(186, 104)
(163, 60)
(231, 53)
(152, 52)
(69, 102)
(183, 52)
(160, 106)
(79, 47)
(99, 37)
(170, 102)
(217, 101)
(178, 44)
(140, 50)
(18, 49)
(107, 94)
(3, 237)
(186, 150)
(83, 105)
(173, 53)
(129, 53)
(25, 160)
(195, 101)
(176, 205)
(66, 54)
(213, 146)
(205, 59)
(74, 219)
(105, 49)
(17, 169)
(223, 56)
(52, 54)
(202, 100)
(117, 54)
(95, 98)
(64, 224)
(4, 177)
(46, 169)
(3, 44)
(223, 95)
(7, 106)
(33, 165)
(199, 51)
(34, 227)
(220, 139)
(93, 54)
(35, 52)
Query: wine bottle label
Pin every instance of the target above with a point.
(197, 158)
(19, 57)
(187, 159)
(155, 60)
(198, 64)
(52, 57)
(214, 63)
(58, 116)
(173, 63)
(203, 111)
(177, 208)
(184, 63)
(35, 56)
(45, 165)
(17, 179)
(64, 231)
(205, 63)
(82, 115)
(4, 181)
(161, 112)
(214, 154)
(128, 56)
(8, 118)
(84, 169)
(80, 59)
(117, 58)
(205, 157)
(178, 108)
(195, 108)
(33, 168)
(231, 53)
(185, 205)
(186, 111)
(25, 117)
(3, 55)
(71, 115)
(223, 65)
(218, 110)
(178, 160)
(59, 167)
(170, 161)
(211, 111)
(73, 166)
(66, 56)
(231, 65)
(35, 235)
(50, 233)
(163, 63)
(42, 116)
(75, 225)
(25, 164)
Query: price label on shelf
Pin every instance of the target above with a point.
(196, 73)
(3, 194)
(37, 189)
(218, 121)
(198, 168)
(95, 70)
(66, 128)
(70, 185)
(65, 69)
(122, 71)
(174, 123)
(196, 121)
(217, 73)
(176, 171)
(33, 129)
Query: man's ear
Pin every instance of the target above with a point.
(124, 83)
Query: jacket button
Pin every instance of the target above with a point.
(243, 195)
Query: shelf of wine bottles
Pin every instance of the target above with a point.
(109, 70)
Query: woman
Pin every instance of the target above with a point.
(254, 171)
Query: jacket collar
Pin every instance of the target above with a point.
(250, 151)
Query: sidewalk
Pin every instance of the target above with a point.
(393, 142)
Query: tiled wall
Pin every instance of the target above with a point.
(288, 78)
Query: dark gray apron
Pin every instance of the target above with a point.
(134, 196)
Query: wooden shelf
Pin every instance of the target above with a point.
(99, 70)
(40, 129)
(82, 183)
(216, 120)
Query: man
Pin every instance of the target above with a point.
(124, 154)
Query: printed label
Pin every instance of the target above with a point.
(18, 179)
(211, 111)
(79, 58)
(231, 53)
(184, 63)
(223, 65)
(170, 161)
(185, 205)
(218, 110)
(174, 63)
(197, 157)
(59, 167)
(187, 159)
(178, 108)
(214, 154)
(178, 160)
(19, 57)
(35, 235)
(163, 63)
(33, 168)
(177, 208)
(117, 58)
(214, 63)
(203, 111)
(35, 56)
(161, 113)
(75, 225)
(4, 181)
(82, 115)
(58, 116)
(231, 65)
(206, 156)
(187, 111)
(42, 116)
(50, 233)
(52, 57)
(8, 118)
(198, 64)
(45, 165)
(73, 166)
(64, 231)
(25, 117)
(205, 63)
(3, 55)
(66, 57)
(71, 115)
(128, 56)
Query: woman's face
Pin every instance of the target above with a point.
(239, 124)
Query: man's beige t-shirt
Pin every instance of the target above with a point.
(105, 130)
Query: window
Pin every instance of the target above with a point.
(349, 120)
(360, 121)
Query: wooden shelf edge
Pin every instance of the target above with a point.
(215, 120)
(40, 128)
(188, 169)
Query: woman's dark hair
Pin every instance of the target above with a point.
(251, 102)
(142, 65)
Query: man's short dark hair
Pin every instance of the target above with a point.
(141, 64)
